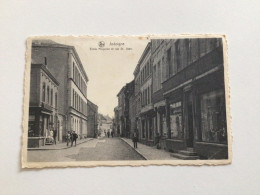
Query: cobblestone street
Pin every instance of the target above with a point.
(94, 150)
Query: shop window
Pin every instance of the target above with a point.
(213, 117)
(176, 120)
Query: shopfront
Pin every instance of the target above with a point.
(197, 117)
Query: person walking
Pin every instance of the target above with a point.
(74, 137)
(108, 134)
(135, 139)
(54, 136)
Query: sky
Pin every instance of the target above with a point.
(108, 70)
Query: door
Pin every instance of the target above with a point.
(190, 133)
(190, 127)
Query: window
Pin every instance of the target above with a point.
(73, 98)
(154, 73)
(45, 61)
(79, 103)
(159, 75)
(43, 92)
(178, 56)
(169, 63)
(48, 94)
(176, 120)
(51, 96)
(213, 117)
(73, 76)
(56, 100)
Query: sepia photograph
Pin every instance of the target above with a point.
(126, 100)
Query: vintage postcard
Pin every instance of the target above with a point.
(126, 100)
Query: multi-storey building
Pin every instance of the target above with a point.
(146, 113)
(116, 122)
(124, 96)
(121, 110)
(92, 113)
(65, 65)
(194, 92)
(137, 99)
(42, 106)
(132, 109)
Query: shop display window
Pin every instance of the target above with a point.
(164, 124)
(213, 117)
(176, 120)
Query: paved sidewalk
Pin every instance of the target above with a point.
(60, 146)
(150, 153)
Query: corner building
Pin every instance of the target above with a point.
(65, 65)
(42, 106)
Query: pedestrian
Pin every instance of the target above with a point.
(68, 137)
(112, 133)
(108, 134)
(54, 136)
(51, 136)
(74, 137)
(135, 139)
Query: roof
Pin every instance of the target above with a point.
(145, 52)
(121, 90)
(51, 43)
(92, 105)
(43, 67)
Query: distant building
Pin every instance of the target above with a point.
(92, 110)
(105, 124)
(121, 110)
(66, 67)
(43, 112)
(124, 108)
(116, 122)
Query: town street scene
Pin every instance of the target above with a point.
(127, 99)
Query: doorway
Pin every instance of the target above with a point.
(190, 137)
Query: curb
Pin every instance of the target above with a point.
(31, 149)
(134, 149)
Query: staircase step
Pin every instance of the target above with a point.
(190, 149)
(187, 153)
(184, 157)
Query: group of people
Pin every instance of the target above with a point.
(72, 137)
(109, 133)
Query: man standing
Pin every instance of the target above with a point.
(54, 135)
(74, 137)
(135, 139)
